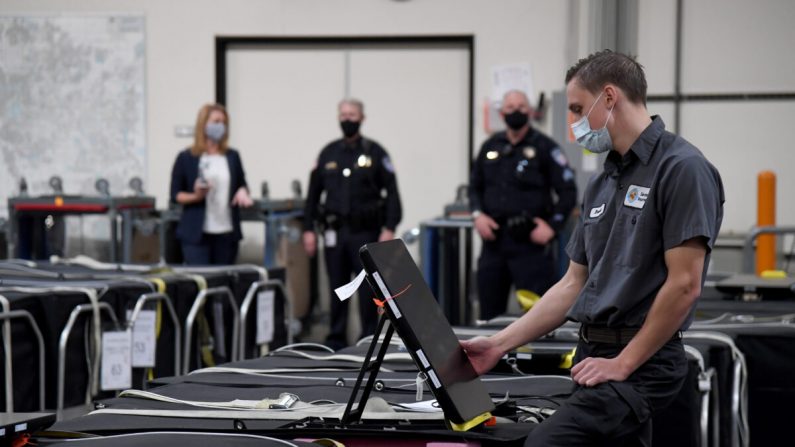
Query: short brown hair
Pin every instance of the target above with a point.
(354, 102)
(607, 67)
(200, 139)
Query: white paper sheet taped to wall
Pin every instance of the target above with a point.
(347, 291)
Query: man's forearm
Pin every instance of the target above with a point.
(669, 311)
(545, 316)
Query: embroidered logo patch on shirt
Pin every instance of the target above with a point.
(636, 196)
(559, 158)
(597, 211)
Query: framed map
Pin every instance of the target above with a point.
(72, 102)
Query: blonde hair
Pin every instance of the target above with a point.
(200, 139)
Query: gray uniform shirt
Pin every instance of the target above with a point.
(660, 194)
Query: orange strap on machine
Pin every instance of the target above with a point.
(765, 216)
(380, 303)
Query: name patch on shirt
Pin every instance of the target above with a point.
(636, 196)
(597, 211)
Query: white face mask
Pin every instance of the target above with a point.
(596, 141)
(215, 131)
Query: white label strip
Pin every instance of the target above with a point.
(347, 291)
(265, 316)
(434, 379)
(21, 427)
(422, 358)
(116, 366)
(144, 339)
(387, 295)
(2, 431)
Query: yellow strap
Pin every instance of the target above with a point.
(474, 422)
(161, 288)
(201, 281)
(160, 283)
(203, 324)
(567, 359)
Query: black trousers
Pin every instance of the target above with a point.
(213, 249)
(505, 261)
(342, 262)
(615, 414)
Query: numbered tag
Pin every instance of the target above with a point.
(265, 316)
(144, 339)
(116, 360)
(330, 236)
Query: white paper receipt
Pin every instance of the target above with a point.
(347, 291)
(116, 360)
(265, 318)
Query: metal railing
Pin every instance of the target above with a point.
(7, 316)
(749, 261)
(198, 304)
(93, 376)
(245, 308)
(160, 297)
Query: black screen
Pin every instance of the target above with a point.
(425, 331)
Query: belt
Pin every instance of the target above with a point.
(614, 336)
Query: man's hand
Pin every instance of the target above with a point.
(386, 235)
(542, 233)
(486, 226)
(310, 243)
(242, 199)
(483, 353)
(595, 370)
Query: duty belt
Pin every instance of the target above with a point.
(614, 336)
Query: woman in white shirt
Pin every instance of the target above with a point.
(209, 182)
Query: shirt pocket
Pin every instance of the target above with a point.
(596, 232)
(528, 173)
(633, 243)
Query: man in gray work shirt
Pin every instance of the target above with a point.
(639, 257)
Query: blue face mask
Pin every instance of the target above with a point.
(596, 141)
(215, 131)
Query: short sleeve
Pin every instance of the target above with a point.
(691, 202)
(576, 246)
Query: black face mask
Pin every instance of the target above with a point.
(516, 119)
(349, 128)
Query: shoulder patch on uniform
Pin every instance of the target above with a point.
(388, 164)
(559, 157)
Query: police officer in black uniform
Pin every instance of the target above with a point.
(639, 259)
(510, 193)
(362, 205)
